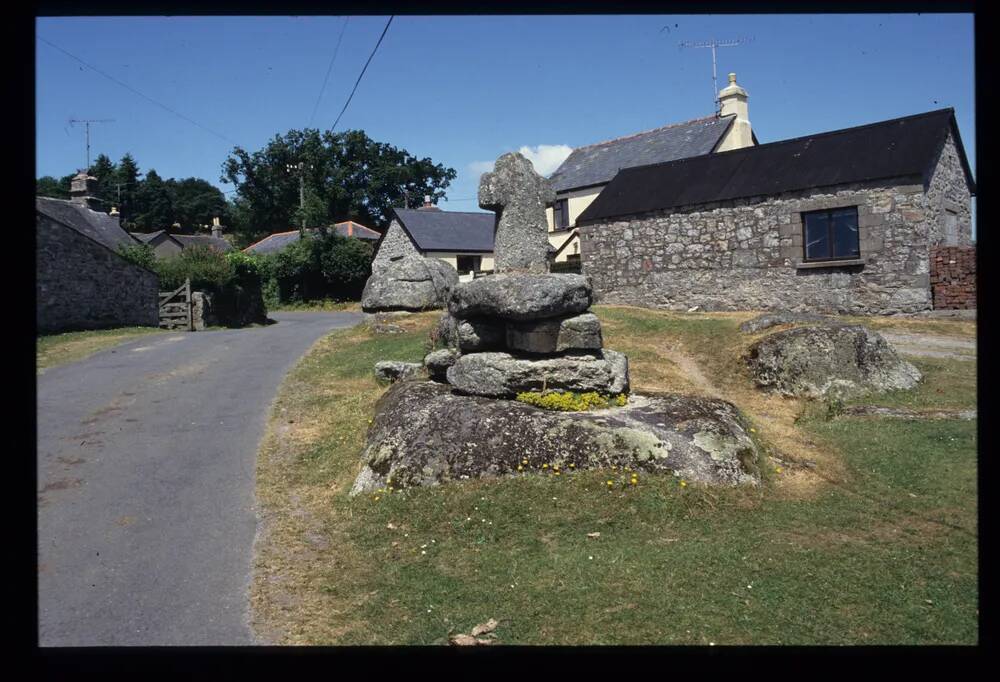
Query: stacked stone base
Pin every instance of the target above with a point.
(511, 333)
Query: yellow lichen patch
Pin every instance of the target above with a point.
(568, 401)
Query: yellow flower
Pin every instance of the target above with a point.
(557, 472)
(376, 498)
(545, 466)
(572, 466)
(778, 470)
(610, 483)
(634, 482)
(753, 430)
(524, 461)
(683, 484)
(520, 468)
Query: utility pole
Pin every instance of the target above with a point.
(713, 44)
(299, 169)
(87, 122)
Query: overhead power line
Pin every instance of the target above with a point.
(144, 96)
(361, 75)
(329, 69)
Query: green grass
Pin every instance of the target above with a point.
(882, 551)
(57, 349)
(324, 305)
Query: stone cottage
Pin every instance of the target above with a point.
(839, 222)
(80, 280)
(588, 170)
(463, 240)
(166, 244)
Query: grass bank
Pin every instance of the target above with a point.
(57, 349)
(864, 532)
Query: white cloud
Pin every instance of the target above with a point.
(477, 168)
(546, 157)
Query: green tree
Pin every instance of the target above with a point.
(106, 173)
(48, 186)
(348, 175)
(138, 254)
(127, 189)
(196, 202)
(155, 204)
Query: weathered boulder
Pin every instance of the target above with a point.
(521, 296)
(437, 362)
(835, 360)
(518, 195)
(423, 434)
(555, 334)
(393, 370)
(479, 334)
(767, 320)
(410, 283)
(202, 310)
(503, 375)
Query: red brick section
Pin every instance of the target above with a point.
(953, 277)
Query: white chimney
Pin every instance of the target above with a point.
(216, 228)
(733, 101)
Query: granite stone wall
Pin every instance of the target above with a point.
(953, 277)
(394, 244)
(81, 284)
(747, 254)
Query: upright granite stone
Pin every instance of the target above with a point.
(410, 283)
(518, 195)
(521, 296)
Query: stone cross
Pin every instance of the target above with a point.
(518, 195)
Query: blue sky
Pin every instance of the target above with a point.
(465, 89)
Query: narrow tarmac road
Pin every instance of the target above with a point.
(146, 467)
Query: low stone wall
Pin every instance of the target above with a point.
(81, 284)
(953, 277)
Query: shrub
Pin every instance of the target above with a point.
(208, 269)
(320, 266)
(138, 254)
(568, 401)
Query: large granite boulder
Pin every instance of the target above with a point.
(768, 320)
(410, 283)
(555, 334)
(521, 296)
(830, 360)
(423, 434)
(518, 195)
(501, 375)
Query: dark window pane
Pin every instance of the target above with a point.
(817, 230)
(562, 213)
(845, 233)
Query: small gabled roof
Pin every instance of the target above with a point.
(598, 163)
(216, 243)
(150, 237)
(436, 230)
(349, 228)
(101, 227)
(905, 147)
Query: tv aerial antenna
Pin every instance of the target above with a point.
(713, 45)
(87, 122)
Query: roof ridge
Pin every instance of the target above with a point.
(652, 130)
(447, 212)
(790, 140)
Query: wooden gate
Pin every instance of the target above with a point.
(175, 308)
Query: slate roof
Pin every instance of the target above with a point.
(898, 148)
(150, 237)
(101, 227)
(598, 163)
(279, 240)
(216, 243)
(448, 230)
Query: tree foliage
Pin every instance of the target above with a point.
(347, 176)
(324, 265)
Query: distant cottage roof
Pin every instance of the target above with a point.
(216, 243)
(901, 147)
(150, 237)
(279, 240)
(598, 163)
(100, 227)
(448, 230)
